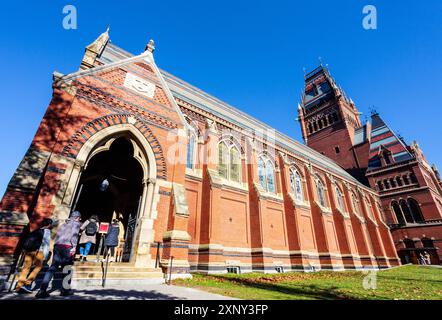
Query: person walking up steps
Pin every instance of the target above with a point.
(64, 251)
(111, 240)
(88, 236)
(36, 247)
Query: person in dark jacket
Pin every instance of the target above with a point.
(111, 240)
(64, 250)
(35, 247)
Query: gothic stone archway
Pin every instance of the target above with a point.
(100, 141)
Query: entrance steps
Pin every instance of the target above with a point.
(91, 273)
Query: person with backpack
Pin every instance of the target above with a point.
(88, 236)
(65, 245)
(36, 251)
(111, 240)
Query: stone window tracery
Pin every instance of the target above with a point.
(266, 174)
(229, 161)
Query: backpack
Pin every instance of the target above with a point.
(33, 240)
(91, 228)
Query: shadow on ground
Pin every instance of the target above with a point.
(308, 291)
(98, 294)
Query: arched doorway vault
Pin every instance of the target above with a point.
(142, 153)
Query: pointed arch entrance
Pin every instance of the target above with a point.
(111, 186)
(122, 155)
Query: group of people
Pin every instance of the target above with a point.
(424, 258)
(36, 250)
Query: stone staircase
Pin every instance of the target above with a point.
(91, 273)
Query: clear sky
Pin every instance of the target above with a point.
(250, 54)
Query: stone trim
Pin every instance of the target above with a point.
(176, 235)
(78, 139)
(181, 206)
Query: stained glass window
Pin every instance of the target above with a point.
(190, 151)
(321, 194)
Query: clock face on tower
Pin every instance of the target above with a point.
(140, 85)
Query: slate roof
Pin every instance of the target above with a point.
(382, 135)
(207, 102)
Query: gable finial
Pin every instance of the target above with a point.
(373, 110)
(150, 46)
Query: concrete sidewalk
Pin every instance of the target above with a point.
(126, 292)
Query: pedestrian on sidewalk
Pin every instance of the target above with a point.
(65, 245)
(36, 251)
(88, 236)
(111, 240)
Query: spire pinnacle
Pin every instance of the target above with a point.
(150, 46)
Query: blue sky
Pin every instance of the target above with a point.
(250, 54)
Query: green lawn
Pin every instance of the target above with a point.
(407, 282)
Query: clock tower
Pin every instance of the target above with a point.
(330, 123)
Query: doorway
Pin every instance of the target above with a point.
(111, 187)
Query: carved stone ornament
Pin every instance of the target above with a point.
(140, 85)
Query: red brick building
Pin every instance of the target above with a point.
(410, 189)
(192, 177)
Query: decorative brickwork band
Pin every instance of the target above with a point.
(81, 136)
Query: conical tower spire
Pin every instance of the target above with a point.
(94, 50)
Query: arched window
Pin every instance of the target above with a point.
(229, 161)
(321, 193)
(406, 181)
(339, 199)
(190, 159)
(296, 183)
(261, 173)
(415, 210)
(409, 244)
(392, 183)
(235, 165)
(368, 208)
(329, 118)
(270, 173)
(399, 181)
(397, 211)
(355, 205)
(427, 243)
(386, 158)
(380, 186)
(223, 160)
(266, 174)
(406, 211)
(413, 178)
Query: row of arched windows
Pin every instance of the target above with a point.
(323, 122)
(411, 244)
(229, 168)
(407, 211)
(398, 181)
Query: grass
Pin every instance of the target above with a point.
(403, 283)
